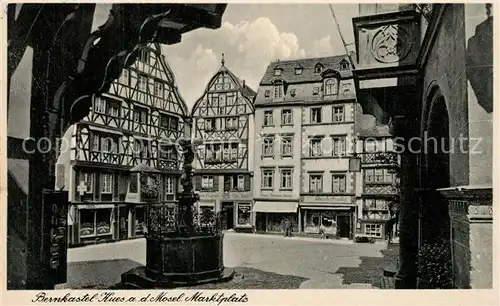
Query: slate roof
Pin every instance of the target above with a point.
(245, 90)
(308, 73)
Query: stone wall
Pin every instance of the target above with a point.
(471, 214)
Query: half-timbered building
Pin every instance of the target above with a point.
(223, 119)
(135, 124)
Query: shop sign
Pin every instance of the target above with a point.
(328, 198)
(275, 195)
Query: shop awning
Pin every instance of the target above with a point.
(275, 207)
(95, 206)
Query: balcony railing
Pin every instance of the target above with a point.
(382, 189)
(383, 158)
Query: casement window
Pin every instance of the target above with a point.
(140, 115)
(331, 87)
(124, 77)
(232, 123)
(141, 149)
(234, 152)
(316, 115)
(286, 145)
(267, 94)
(168, 152)
(316, 183)
(107, 144)
(278, 90)
(209, 124)
(226, 152)
(142, 82)
(344, 65)
(378, 176)
(100, 105)
(298, 71)
(268, 117)
(234, 182)
(144, 56)
(315, 148)
(158, 89)
(339, 146)
(277, 71)
(113, 109)
(267, 178)
(268, 146)
(286, 117)
(95, 142)
(286, 179)
(338, 114)
(338, 183)
(106, 183)
(164, 121)
(370, 146)
(207, 182)
(169, 185)
(87, 179)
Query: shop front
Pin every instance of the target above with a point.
(271, 215)
(333, 222)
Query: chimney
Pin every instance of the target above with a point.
(243, 83)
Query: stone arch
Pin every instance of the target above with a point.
(435, 166)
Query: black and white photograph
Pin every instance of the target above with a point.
(237, 146)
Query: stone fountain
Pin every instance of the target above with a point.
(180, 251)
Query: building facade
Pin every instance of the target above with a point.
(223, 118)
(135, 124)
(305, 113)
(378, 195)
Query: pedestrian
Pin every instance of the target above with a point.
(287, 227)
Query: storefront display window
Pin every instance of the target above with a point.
(275, 221)
(244, 214)
(320, 221)
(373, 230)
(95, 222)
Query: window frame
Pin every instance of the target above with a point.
(289, 172)
(340, 177)
(331, 87)
(335, 115)
(267, 175)
(318, 178)
(319, 115)
(287, 113)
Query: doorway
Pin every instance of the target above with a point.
(344, 226)
(228, 215)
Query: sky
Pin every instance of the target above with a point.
(251, 36)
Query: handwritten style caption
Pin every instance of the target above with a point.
(162, 297)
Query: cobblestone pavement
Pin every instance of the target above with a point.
(284, 262)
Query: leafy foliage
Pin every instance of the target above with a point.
(434, 266)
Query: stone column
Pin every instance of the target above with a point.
(405, 129)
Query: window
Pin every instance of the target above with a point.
(174, 124)
(168, 152)
(316, 115)
(106, 183)
(141, 149)
(373, 230)
(209, 124)
(369, 176)
(316, 90)
(124, 77)
(389, 177)
(339, 147)
(267, 93)
(316, 183)
(114, 109)
(232, 123)
(318, 68)
(286, 116)
(286, 145)
(234, 152)
(277, 71)
(164, 121)
(338, 183)
(87, 180)
(213, 153)
(278, 90)
(158, 89)
(267, 178)
(298, 70)
(268, 117)
(95, 142)
(234, 183)
(207, 182)
(140, 115)
(100, 105)
(344, 65)
(292, 92)
(134, 182)
(144, 56)
(379, 175)
(338, 114)
(225, 152)
(370, 146)
(169, 185)
(142, 82)
(331, 87)
(268, 146)
(107, 144)
(244, 213)
(286, 179)
(315, 147)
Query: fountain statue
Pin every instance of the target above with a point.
(179, 250)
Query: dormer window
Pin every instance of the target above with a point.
(267, 93)
(277, 70)
(298, 70)
(318, 68)
(292, 92)
(331, 86)
(278, 90)
(344, 65)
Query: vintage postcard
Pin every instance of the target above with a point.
(192, 153)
